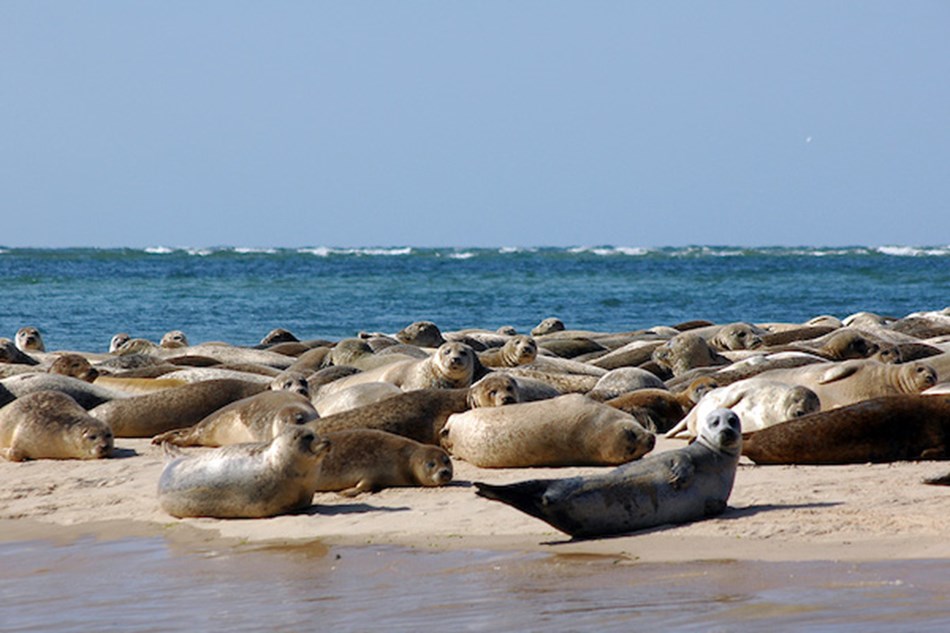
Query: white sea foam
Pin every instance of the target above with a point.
(246, 250)
(913, 251)
(159, 250)
(462, 255)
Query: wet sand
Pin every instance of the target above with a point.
(860, 512)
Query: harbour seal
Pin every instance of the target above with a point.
(88, 395)
(518, 350)
(254, 480)
(671, 487)
(886, 429)
(29, 339)
(622, 380)
(758, 403)
(74, 365)
(421, 334)
(547, 326)
(51, 425)
(570, 430)
(850, 381)
(365, 460)
(451, 366)
(9, 353)
(257, 418)
(354, 397)
(686, 351)
(160, 411)
(174, 339)
(421, 414)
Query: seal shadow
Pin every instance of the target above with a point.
(349, 508)
(729, 514)
(122, 453)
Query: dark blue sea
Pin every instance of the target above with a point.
(79, 298)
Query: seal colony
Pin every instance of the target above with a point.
(423, 399)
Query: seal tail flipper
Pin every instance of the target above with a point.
(527, 496)
(171, 451)
(942, 480)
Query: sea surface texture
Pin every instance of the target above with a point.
(79, 298)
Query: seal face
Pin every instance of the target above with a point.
(174, 340)
(252, 480)
(51, 425)
(28, 339)
(74, 365)
(675, 486)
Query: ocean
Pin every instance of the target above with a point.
(79, 298)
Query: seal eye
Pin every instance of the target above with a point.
(430, 464)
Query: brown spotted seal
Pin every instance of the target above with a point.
(255, 480)
(160, 411)
(258, 418)
(366, 460)
(886, 429)
(51, 425)
(518, 350)
(676, 486)
(570, 430)
(421, 414)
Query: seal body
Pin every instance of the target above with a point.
(421, 414)
(258, 418)
(672, 487)
(252, 480)
(570, 430)
(886, 429)
(758, 403)
(51, 425)
(365, 460)
(179, 407)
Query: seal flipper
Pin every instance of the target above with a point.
(527, 496)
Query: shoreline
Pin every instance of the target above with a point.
(860, 513)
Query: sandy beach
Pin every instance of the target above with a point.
(776, 513)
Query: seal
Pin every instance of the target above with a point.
(622, 380)
(117, 341)
(421, 334)
(758, 403)
(74, 365)
(258, 418)
(850, 381)
(518, 350)
(677, 486)
(451, 366)
(9, 353)
(657, 410)
(879, 430)
(686, 351)
(28, 339)
(547, 326)
(737, 336)
(421, 414)
(174, 339)
(255, 480)
(51, 425)
(354, 397)
(364, 460)
(86, 394)
(290, 380)
(570, 430)
(153, 413)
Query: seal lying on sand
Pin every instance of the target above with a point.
(253, 480)
(886, 429)
(675, 486)
(570, 430)
(51, 425)
(257, 418)
(365, 460)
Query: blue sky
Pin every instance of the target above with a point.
(487, 123)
